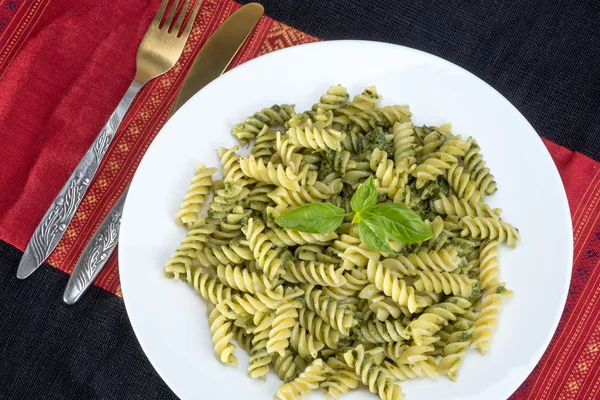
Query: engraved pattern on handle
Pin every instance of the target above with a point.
(54, 223)
(96, 253)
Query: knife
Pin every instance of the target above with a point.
(210, 63)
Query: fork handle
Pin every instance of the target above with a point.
(96, 254)
(54, 223)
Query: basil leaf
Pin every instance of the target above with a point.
(400, 222)
(365, 196)
(312, 218)
(373, 236)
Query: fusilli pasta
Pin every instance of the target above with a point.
(323, 310)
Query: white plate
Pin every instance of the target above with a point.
(169, 318)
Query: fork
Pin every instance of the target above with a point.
(158, 52)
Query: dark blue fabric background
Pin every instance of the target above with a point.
(544, 56)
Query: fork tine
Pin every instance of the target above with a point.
(174, 7)
(190, 22)
(181, 17)
(160, 13)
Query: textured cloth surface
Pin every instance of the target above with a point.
(49, 350)
(64, 67)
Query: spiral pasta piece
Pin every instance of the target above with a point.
(371, 374)
(394, 350)
(392, 285)
(476, 166)
(179, 264)
(316, 325)
(356, 172)
(227, 229)
(355, 281)
(321, 118)
(420, 369)
(290, 237)
(442, 260)
(316, 138)
(210, 288)
(453, 352)
(312, 272)
(284, 365)
(391, 178)
(269, 173)
(196, 195)
(404, 144)
(272, 116)
(368, 119)
(288, 152)
(318, 191)
(236, 253)
(358, 256)
(227, 197)
(247, 305)
(308, 380)
(488, 317)
(328, 309)
(264, 145)
(433, 167)
(435, 318)
(453, 206)
(444, 282)
(281, 328)
(230, 162)
(258, 198)
(243, 339)
(460, 181)
(260, 358)
(304, 342)
(431, 140)
(382, 331)
(489, 228)
(221, 332)
(341, 380)
(333, 99)
(415, 353)
(314, 253)
(366, 100)
(266, 258)
(380, 304)
(489, 274)
(242, 279)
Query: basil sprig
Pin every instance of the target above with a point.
(313, 218)
(377, 223)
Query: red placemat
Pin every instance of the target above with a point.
(63, 84)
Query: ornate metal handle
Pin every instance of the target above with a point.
(59, 215)
(96, 253)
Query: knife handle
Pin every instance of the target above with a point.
(54, 223)
(96, 253)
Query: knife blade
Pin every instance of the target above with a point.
(212, 60)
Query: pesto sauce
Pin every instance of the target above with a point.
(444, 187)
(302, 301)
(331, 161)
(375, 138)
(476, 293)
(260, 118)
